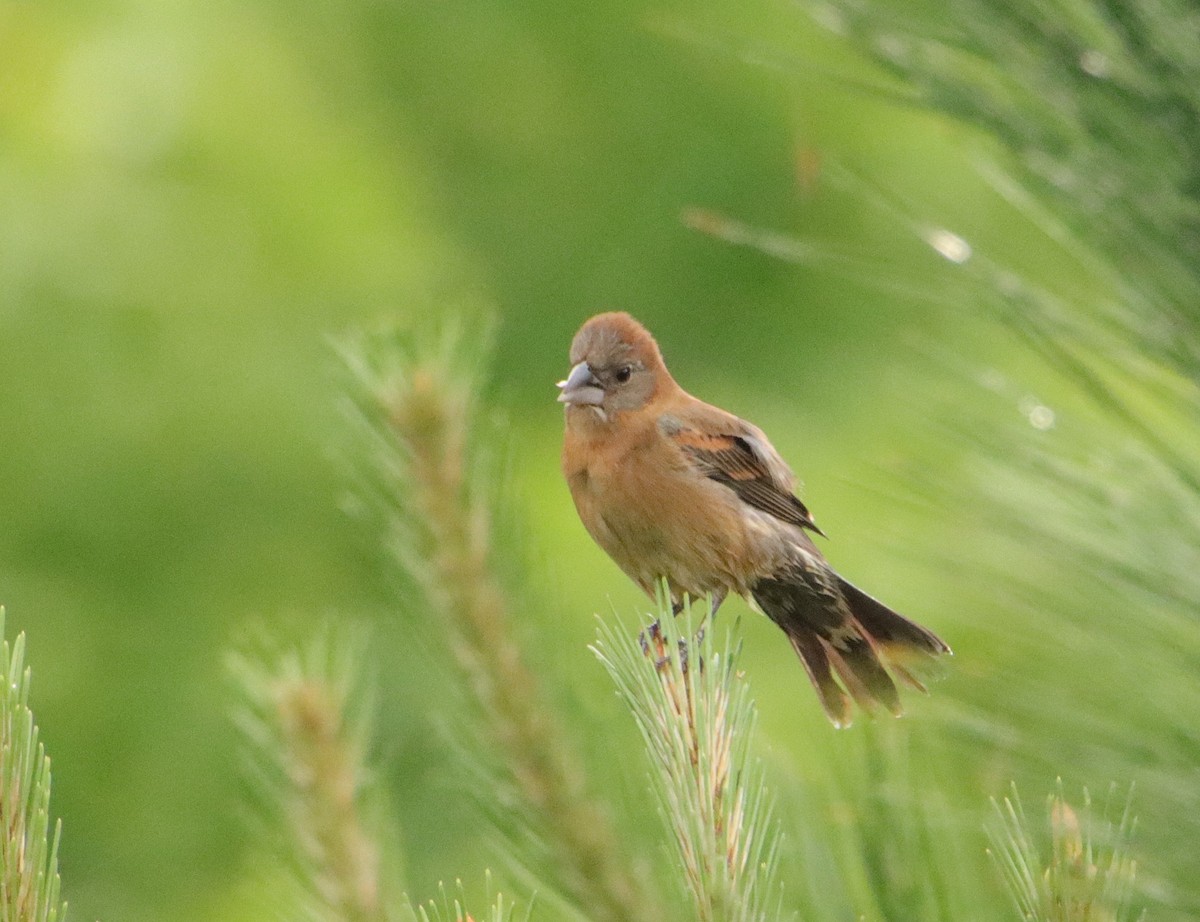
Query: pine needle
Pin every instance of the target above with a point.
(29, 881)
(1085, 873)
(697, 720)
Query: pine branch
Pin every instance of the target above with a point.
(29, 881)
(697, 719)
(417, 403)
(1096, 103)
(302, 716)
(1087, 874)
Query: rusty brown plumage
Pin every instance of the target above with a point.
(674, 488)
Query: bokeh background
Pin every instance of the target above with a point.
(196, 199)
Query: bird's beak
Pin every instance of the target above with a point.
(581, 387)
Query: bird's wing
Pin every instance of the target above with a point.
(739, 456)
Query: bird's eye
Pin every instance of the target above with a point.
(624, 373)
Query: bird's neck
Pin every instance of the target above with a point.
(589, 421)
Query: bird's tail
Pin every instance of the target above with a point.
(847, 640)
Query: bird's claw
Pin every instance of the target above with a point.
(650, 635)
(685, 658)
(652, 642)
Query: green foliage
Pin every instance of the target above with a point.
(415, 403)
(29, 881)
(1087, 873)
(1075, 517)
(453, 909)
(1096, 109)
(304, 716)
(974, 335)
(693, 708)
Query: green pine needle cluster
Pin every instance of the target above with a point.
(696, 717)
(304, 717)
(29, 881)
(1097, 112)
(1084, 120)
(447, 908)
(425, 475)
(1086, 872)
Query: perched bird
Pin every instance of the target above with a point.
(674, 488)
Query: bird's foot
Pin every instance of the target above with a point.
(653, 643)
(649, 636)
(685, 658)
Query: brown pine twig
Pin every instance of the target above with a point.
(427, 404)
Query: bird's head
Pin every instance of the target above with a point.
(615, 366)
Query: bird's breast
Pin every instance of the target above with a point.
(656, 516)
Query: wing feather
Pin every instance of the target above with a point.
(745, 462)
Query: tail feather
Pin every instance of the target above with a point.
(863, 675)
(844, 637)
(885, 625)
(815, 656)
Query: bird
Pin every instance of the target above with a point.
(674, 489)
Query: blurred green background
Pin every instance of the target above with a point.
(195, 197)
